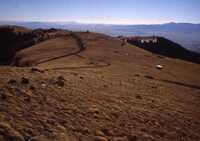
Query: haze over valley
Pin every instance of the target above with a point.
(186, 34)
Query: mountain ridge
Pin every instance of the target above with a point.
(186, 34)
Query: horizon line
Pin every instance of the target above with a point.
(96, 23)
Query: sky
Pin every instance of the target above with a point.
(101, 11)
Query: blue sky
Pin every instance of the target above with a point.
(102, 11)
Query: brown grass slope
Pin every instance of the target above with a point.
(106, 92)
(16, 38)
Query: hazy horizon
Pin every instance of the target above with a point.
(77, 22)
(125, 12)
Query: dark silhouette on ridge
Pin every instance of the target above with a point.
(165, 47)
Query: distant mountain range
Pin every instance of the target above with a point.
(186, 34)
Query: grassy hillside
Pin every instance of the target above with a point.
(105, 92)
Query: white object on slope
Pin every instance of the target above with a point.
(159, 67)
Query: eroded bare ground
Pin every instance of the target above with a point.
(107, 92)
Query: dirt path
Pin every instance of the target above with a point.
(80, 45)
(103, 65)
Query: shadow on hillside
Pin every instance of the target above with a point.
(14, 39)
(165, 47)
(181, 84)
(173, 82)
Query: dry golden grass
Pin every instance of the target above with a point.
(110, 92)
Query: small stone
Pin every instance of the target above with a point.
(61, 78)
(98, 138)
(120, 139)
(105, 86)
(94, 110)
(99, 133)
(28, 93)
(43, 85)
(3, 95)
(36, 70)
(74, 73)
(32, 88)
(149, 77)
(137, 75)
(85, 130)
(39, 138)
(147, 137)
(10, 132)
(12, 81)
(25, 80)
(154, 87)
(138, 97)
(91, 63)
(61, 128)
(108, 132)
(60, 83)
(27, 99)
(132, 138)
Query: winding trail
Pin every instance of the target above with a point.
(81, 67)
(81, 47)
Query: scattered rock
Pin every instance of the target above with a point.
(138, 97)
(108, 132)
(9, 133)
(28, 93)
(162, 57)
(91, 63)
(99, 138)
(61, 78)
(61, 128)
(3, 95)
(60, 83)
(74, 73)
(94, 110)
(32, 88)
(18, 91)
(132, 138)
(85, 130)
(120, 139)
(99, 133)
(81, 77)
(64, 137)
(39, 138)
(154, 87)
(12, 81)
(36, 70)
(137, 75)
(149, 77)
(147, 137)
(43, 85)
(105, 86)
(116, 51)
(25, 80)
